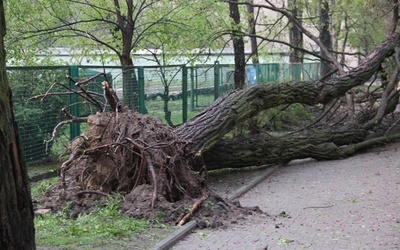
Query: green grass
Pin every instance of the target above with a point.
(156, 108)
(39, 188)
(103, 226)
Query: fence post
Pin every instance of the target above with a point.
(191, 89)
(258, 74)
(74, 128)
(216, 80)
(142, 108)
(184, 93)
(296, 71)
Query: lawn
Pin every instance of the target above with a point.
(103, 228)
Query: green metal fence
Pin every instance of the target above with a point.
(172, 93)
(37, 118)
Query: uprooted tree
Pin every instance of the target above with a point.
(156, 167)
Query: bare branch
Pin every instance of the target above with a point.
(60, 125)
(329, 57)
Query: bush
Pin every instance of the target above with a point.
(36, 119)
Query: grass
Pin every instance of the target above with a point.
(155, 108)
(105, 225)
(39, 188)
(45, 166)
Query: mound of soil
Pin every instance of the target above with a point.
(127, 153)
(138, 157)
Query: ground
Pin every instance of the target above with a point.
(348, 204)
(298, 199)
(223, 182)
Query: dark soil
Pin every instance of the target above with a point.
(138, 157)
(223, 183)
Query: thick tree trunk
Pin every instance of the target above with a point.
(16, 212)
(261, 150)
(206, 129)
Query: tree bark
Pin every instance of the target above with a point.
(238, 47)
(325, 36)
(253, 38)
(16, 211)
(209, 127)
(130, 84)
(296, 36)
(261, 150)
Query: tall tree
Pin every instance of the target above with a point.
(238, 45)
(109, 29)
(252, 31)
(325, 35)
(16, 211)
(296, 36)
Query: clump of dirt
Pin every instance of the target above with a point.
(140, 158)
(127, 153)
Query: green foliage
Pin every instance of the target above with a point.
(36, 119)
(104, 224)
(284, 241)
(39, 188)
(106, 31)
(365, 23)
(188, 28)
(359, 24)
(277, 119)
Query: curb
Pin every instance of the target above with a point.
(176, 236)
(181, 233)
(241, 191)
(46, 175)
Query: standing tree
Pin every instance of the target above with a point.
(238, 45)
(325, 36)
(252, 31)
(112, 28)
(16, 211)
(296, 36)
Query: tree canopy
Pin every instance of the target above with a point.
(111, 29)
(114, 30)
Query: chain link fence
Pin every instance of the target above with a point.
(174, 94)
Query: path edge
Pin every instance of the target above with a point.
(182, 232)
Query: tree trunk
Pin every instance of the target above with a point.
(130, 83)
(296, 36)
(16, 211)
(209, 127)
(259, 150)
(130, 87)
(238, 47)
(325, 36)
(253, 38)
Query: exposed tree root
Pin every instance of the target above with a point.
(186, 217)
(120, 152)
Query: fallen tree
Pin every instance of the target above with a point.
(152, 165)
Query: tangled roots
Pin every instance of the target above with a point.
(131, 154)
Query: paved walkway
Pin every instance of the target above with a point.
(344, 204)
